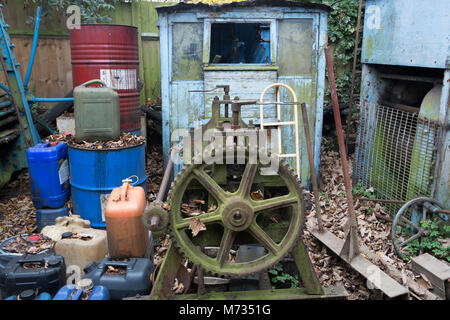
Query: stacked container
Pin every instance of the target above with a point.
(127, 235)
(46, 272)
(30, 295)
(84, 290)
(95, 173)
(122, 278)
(97, 111)
(49, 175)
(110, 53)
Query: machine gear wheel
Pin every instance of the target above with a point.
(161, 216)
(237, 214)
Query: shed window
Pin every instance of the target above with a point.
(187, 51)
(245, 43)
(295, 46)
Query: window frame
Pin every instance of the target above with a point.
(237, 66)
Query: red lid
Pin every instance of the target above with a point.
(34, 237)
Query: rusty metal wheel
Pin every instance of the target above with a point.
(407, 225)
(234, 216)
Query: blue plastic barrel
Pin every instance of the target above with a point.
(49, 175)
(67, 293)
(95, 173)
(46, 217)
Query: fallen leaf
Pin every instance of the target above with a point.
(196, 225)
(257, 195)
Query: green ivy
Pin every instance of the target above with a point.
(431, 243)
(280, 279)
(341, 35)
(361, 191)
(342, 23)
(92, 11)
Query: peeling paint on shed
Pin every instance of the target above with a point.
(297, 37)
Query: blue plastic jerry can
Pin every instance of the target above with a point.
(30, 295)
(75, 292)
(49, 174)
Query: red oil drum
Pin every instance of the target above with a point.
(109, 53)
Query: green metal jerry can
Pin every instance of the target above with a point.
(97, 112)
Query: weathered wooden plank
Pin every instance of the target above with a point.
(331, 292)
(436, 271)
(305, 269)
(304, 88)
(375, 275)
(152, 69)
(247, 85)
(52, 69)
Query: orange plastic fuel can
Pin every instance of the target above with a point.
(127, 235)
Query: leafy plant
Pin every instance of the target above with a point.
(92, 11)
(281, 279)
(431, 243)
(325, 195)
(341, 34)
(360, 190)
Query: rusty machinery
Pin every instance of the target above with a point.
(239, 206)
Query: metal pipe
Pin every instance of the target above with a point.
(34, 99)
(166, 177)
(33, 48)
(351, 247)
(382, 200)
(5, 88)
(5, 104)
(312, 166)
(355, 58)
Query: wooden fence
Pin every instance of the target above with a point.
(52, 71)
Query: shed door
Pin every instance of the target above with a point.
(297, 61)
(186, 75)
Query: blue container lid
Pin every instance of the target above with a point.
(47, 148)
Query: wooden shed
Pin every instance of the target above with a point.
(248, 46)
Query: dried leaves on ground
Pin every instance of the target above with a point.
(126, 140)
(17, 216)
(154, 171)
(373, 232)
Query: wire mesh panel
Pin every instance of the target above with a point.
(396, 154)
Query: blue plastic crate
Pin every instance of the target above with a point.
(46, 217)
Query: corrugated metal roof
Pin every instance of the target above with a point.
(183, 6)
